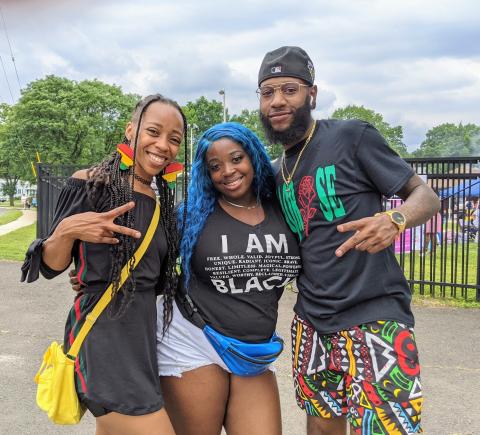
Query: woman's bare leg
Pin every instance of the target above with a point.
(100, 431)
(156, 423)
(326, 426)
(254, 406)
(197, 401)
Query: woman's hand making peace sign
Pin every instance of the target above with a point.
(90, 227)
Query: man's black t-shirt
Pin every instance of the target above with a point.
(341, 177)
(239, 272)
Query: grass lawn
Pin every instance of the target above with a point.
(14, 245)
(439, 267)
(447, 301)
(17, 203)
(9, 216)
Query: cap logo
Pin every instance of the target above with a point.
(276, 69)
(311, 69)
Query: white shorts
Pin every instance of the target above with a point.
(184, 346)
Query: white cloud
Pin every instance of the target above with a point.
(417, 63)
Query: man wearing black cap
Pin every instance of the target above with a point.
(354, 352)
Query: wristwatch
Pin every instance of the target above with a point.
(397, 218)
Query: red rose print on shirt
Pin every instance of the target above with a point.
(306, 195)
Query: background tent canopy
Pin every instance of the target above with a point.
(469, 188)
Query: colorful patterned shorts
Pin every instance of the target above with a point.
(369, 373)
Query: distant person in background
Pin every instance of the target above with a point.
(473, 208)
(433, 227)
(469, 218)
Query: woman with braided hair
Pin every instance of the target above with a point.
(101, 217)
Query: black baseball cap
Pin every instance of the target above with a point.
(287, 62)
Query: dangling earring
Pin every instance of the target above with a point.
(126, 154)
(171, 172)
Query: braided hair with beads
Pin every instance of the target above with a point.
(107, 180)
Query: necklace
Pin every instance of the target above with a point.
(248, 207)
(287, 180)
(142, 180)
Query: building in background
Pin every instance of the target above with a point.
(23, 189)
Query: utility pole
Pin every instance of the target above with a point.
(222, 93)
(192, 127)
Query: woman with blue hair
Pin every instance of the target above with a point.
(237, 254)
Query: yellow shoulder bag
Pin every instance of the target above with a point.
(56, 394)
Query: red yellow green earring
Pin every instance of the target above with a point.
(127, 156)
(171, 173)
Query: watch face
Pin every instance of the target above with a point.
(398, 218)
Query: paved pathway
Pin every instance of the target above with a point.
(31, 315)
(28, 218)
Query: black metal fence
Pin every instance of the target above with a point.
(50, 180)
(440, 258)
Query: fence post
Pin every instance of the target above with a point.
(41, 204)
(478, 265)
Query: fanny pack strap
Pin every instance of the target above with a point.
(107, 295)
(188, 309)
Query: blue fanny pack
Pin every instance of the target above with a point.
(243, 359)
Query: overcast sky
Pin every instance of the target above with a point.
(416, 62)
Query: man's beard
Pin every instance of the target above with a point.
(295, 132)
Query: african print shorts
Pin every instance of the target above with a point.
(369, 373)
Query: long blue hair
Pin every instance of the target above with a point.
(202, 195)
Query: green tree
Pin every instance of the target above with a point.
(251, 119)
(201, 114)
(450, 140)
(393, 135)
(70, 122)
(12, 166)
